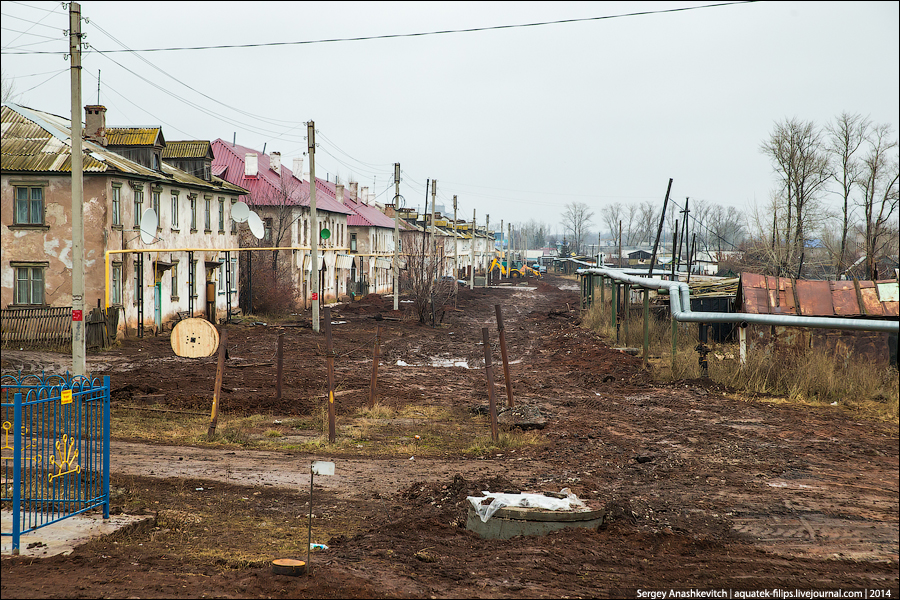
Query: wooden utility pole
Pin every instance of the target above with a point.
(220, 372)
(505, 356)
(433, 249)
(78, 338)
(395, 267)
(313, 225)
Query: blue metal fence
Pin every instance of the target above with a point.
(55, 449)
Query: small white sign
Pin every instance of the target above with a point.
(321, 467)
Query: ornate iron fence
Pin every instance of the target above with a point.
(55, 449)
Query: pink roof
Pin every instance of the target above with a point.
(365, 215)
(268, 188)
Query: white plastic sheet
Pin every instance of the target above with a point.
(500, 500)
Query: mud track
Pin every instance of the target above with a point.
(704, 489)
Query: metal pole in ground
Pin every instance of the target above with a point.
(502, 329)
(329, 361)
(375, 358)
(489, 373)
(646, 326)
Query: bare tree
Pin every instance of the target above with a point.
(7, 87)
(846, 135)
(801, 163)
(575, 220)
(878, 182)
(421, 279)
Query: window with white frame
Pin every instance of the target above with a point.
(29, 205)
(30, 284)
(207, 218)
(221, 215)
(193, 212)
(175, 209)
(155, 197)
(234, 262)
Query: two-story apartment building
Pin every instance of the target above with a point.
(184, 266)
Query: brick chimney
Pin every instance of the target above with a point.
(251, 164)
(354, 190)
(275, 162)
(339, 192)
(364, 195)
(298, 167)
(95, 124)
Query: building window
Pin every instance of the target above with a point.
(173, 272)
(234, 262)
(29, 285)
(207, 219)
(233, 222)
(29, 206)
(137, 282)
(155, 195)
(221, 215)
(174, 210)
(116, 284)
(267, 236)
(352, 242)
(193, 213)
(222, 278)
(116, 205)
(138, 206)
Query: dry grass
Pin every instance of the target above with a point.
(811, 377)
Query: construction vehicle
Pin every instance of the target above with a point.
(517, 270)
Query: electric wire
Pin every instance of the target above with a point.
(439, 32)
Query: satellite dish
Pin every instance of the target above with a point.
(256, 225)
(240, 212)
(325, 234)
(194, 338)
(149, 223)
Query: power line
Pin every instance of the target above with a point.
(427, 33)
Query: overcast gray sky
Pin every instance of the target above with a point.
(515, 121)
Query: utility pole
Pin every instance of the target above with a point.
(501, 241)
(313, 225)
(487, 237)
(78, 341)
(662, 220)
(455, 244)
(433, 249)
(396, 265)
(472, 249)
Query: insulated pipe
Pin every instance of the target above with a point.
(680, 305)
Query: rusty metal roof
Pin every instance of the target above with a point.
(188, 149)
(135, 136)
(764, 294)
(36, 141)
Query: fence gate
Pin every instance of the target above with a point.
(55, 449)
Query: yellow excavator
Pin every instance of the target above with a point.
(522, 270)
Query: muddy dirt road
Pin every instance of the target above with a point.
(703, 488)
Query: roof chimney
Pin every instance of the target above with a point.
(364, 195)
(354, 190)
(275, 162)
(339, 192)
(251, 164)
(298, 167)
(95, 124)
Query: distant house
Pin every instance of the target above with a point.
(281, 198)
(124, 176)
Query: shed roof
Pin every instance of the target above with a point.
(764, 294)
(135, 136)
(188, 149)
